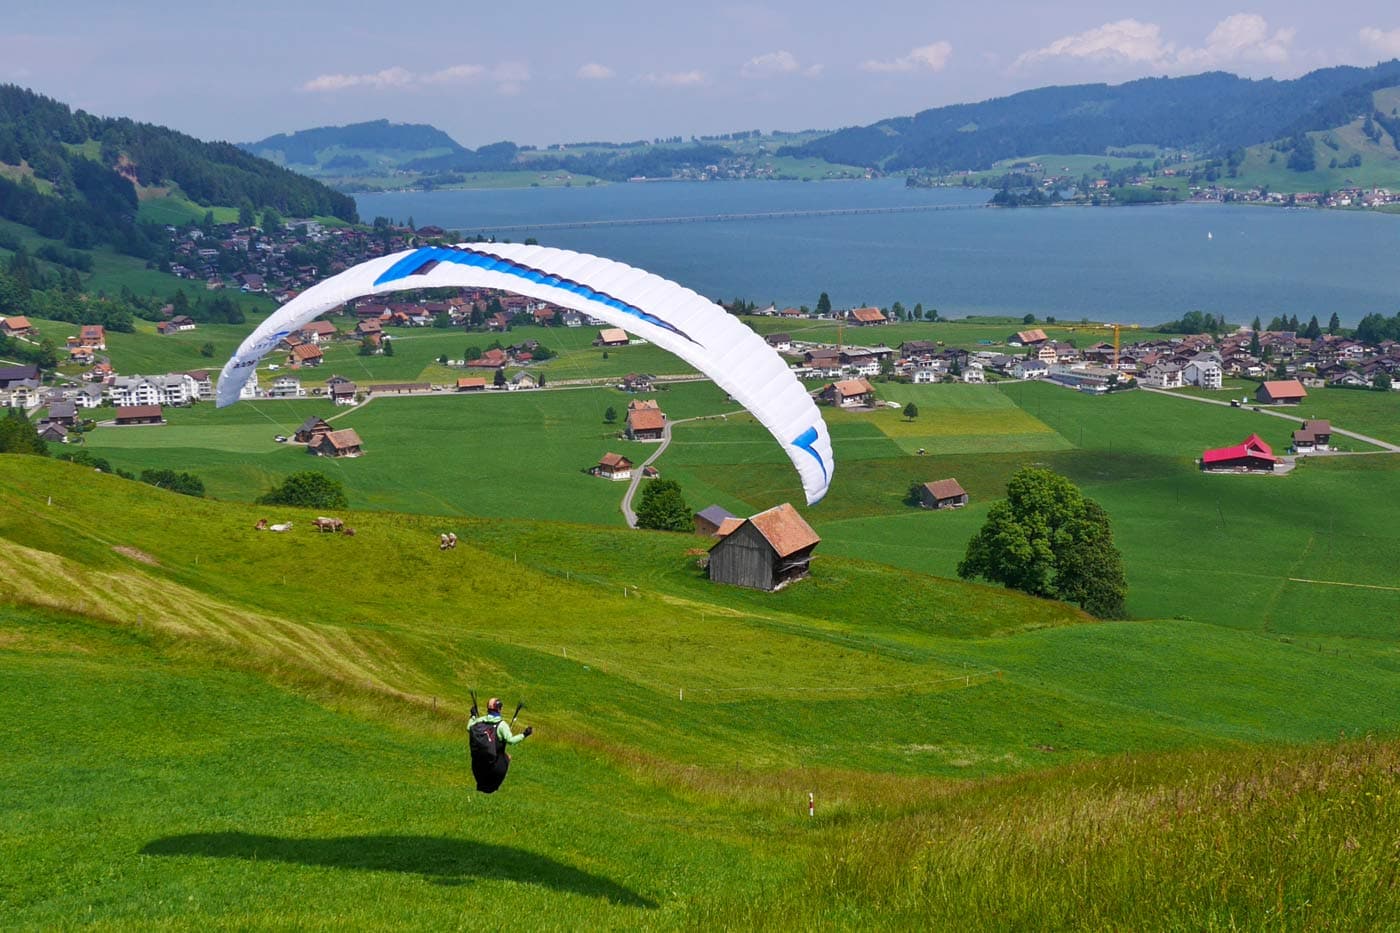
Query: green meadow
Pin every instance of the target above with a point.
(210, 725)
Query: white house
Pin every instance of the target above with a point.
(286, 387)
(170, 389)
(1030, 369)
(1206, 373)
(1163, 376)
(974, 374)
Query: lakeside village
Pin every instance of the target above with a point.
(1284, 362)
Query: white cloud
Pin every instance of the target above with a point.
(389, 77)
(777, 64)
(509, 78)
(454, 74)
(675, 78)
(595, 72)
(1386, 43)
(932, 57)
(1242, 37)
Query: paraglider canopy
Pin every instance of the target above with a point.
(656, 309)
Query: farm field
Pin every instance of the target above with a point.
(221, 735)
(1375, 414)
(522, 455)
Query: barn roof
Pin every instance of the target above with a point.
(785, 529)
(715, 514)
(613, 335)
(847, 387)
(343, 439)
(1252, 446)
(1286, 388)
(646, 419)
(138, 411)
(867, 315)
(614, 460)
(945, 488)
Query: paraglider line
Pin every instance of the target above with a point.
(426, 257)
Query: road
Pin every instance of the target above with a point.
(627, 512)
(1377, 442)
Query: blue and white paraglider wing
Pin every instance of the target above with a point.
(658, 310)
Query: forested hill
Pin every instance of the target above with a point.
(1211, 113)
(74, 176)
(343, 150)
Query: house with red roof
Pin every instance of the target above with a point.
(1252, 455)
(1283, 392)
(865, 317)
(765, 552)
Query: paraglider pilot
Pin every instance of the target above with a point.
(489, 737)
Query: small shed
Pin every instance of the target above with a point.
(611, 337)
(709, 520)
(942, 494)
(53, 433)
(139, 414)
(345, 443)
(764, 552)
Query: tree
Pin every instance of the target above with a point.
(307, 490)
(539, 379)
(897, 312)
(472, 353)
(918, 311)
(186, 484)
(1381, 383)
(442, 320)
(245, 213)
(911, 411)
(1313, 330)
(1254, 348)
(271, 220)
(662, 507)
(823, 304)
(500, 379)
(366, 347)
(1048, 540)
(1256, 325)
(207, 350)
(17, 435)
(1028, 319)
(610, 416)
(388, 346)
(1334, 323)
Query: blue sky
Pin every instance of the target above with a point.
(618, 70)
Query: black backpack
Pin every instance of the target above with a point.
(484, 741)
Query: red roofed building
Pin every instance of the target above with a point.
(139, 414)
(613, 466)
(942, 494)
(306, 354)
(764, 552)
(1252, 455)
(849, 393)
(17, 326)
(471, 384)
(1285, 392)
(867, 316)
(645, 423)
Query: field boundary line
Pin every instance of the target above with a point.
(1364, 586)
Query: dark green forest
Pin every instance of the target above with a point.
(1213, 113)
(93, 200)
(300, 148)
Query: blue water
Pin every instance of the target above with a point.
(1135, 265)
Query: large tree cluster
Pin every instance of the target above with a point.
(1046, 539)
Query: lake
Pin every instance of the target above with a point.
(1135, 265)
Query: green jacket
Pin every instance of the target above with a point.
(502, 728)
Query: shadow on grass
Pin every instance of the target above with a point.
(446, 861)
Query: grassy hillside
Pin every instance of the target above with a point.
(210, 724)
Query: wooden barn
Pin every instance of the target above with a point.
(344, 443)
(647, 423)
(310, 430)
(942, 494)
(613, 466)
(764, 552)
(139, 414)
(1283, 392)
(708, 521)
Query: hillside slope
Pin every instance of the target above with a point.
(73, 176)
(373, 146)
(207, 724)
(1209, 113)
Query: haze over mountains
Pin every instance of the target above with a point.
(1210, 114)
